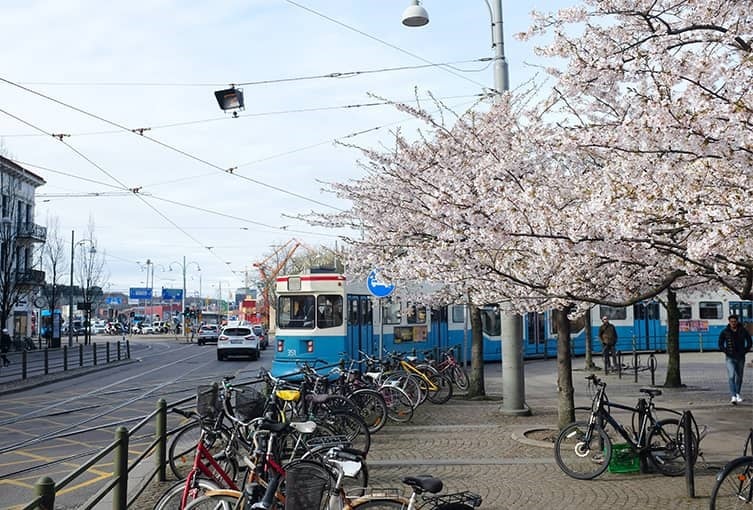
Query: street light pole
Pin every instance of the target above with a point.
(70, 297)
(511, 325)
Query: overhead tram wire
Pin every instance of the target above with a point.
(165, 145)
(108, 174)
(244, 115)
(446, 68)
(336, 74)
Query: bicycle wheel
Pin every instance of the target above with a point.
(734, 486)
(215, 502)
(377, 504)
(459, 377)
(444, 391)
(182, 449)
(171, 498)
(409, 385)
(666, 451)
(371, 408)
(579, 458)
(350, 426)
(399, 405)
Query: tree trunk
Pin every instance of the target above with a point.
(673, 379)
(476, 386)
(589, 341)
(565, 392)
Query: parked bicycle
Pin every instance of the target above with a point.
(734, 483)
(583, 449)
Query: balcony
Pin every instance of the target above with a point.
(31, 231)
(30, 278)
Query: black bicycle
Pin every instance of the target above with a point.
(583, 449)
(734, 483)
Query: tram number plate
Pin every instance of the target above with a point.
(291, 352)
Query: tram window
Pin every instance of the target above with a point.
(391, 312)
(458, 313)
(329, 311)
(367, 314)
(710, 310)
(353, 315)
(686, 311)
(618, 313)
(490, 321)
(295, 312)
(415, 314)
(743, 309)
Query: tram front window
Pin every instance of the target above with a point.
(296, 312)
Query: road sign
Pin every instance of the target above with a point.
(139, 293)
(172, 294)
(378, 288)
(113, 300)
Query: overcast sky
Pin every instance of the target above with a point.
(155, 64)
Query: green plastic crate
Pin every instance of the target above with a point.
(624, 459)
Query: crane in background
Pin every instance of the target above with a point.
(282, 256)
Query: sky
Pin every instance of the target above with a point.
(222, 191)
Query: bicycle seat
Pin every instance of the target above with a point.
(652, 392)
(424, 483)
(273, 426)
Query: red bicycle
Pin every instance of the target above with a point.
(449, 367)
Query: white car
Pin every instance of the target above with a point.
(237, 340)
(98, 327)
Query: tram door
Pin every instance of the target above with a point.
(360, 325)
(647, 327)
(535, 334)
(439, 335)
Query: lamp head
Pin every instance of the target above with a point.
(415, 15)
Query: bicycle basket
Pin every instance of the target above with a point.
(249, 404)
(306, 484)
(207, 403)
(465, 497)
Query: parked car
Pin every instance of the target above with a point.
(160, 327)
(142, 328)
(208, 333)
(261, 333)
(238, 340)
(98, 327)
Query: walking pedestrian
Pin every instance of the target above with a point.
(5, 343)
(734, 342)
(608, 337)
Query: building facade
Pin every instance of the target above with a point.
(20, 238)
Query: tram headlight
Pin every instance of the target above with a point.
(309, 346)
(280, 345)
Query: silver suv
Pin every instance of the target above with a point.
(208, 333)
(239, 340)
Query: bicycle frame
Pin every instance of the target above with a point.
(408, 367)
(216, 473)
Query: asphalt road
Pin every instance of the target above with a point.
(52, 429)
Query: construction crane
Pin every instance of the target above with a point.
(268, 275)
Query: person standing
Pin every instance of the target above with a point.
(734, 342)
(5, 343)
(608, 338)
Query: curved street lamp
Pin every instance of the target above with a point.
(92, 250)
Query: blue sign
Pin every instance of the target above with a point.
(139, 293)
(376, 287)
(172, 294)
(113, 300)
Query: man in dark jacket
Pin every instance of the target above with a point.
(734, 342)
(608, 337)
(5, 343)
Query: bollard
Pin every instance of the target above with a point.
(161, 434)
(128, 349)
(80, 355)
(118, 344)
(46, 362)
(65, 358)
(94, 354)
(24, 364)
(689, 451)
(45, 490)
(107, 352)
(120, 473)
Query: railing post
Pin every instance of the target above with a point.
(689, 447)
(24, 364)
(107, 352)
(45, 489)
(652, 367)
(80, 355)
(120, 471)
(65, 358)
(94, 353)
(635, 366)
(161, 433)
(619, 364)
(128, 349)
(118, 344)
(46, 362)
